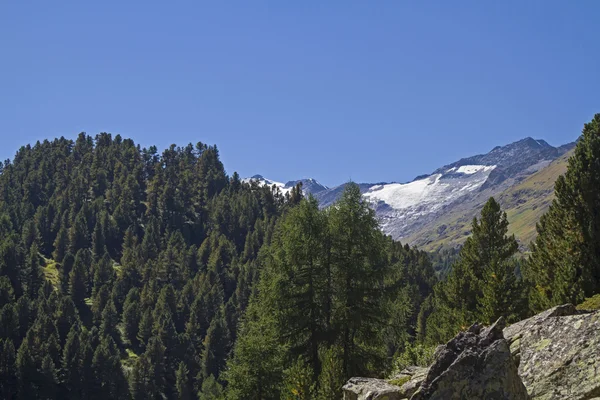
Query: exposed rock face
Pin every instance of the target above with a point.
(413, 378)
(558, 353)
(370, 389)
(553, 355)
(476, 364)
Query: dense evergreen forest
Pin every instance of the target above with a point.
(129, 274)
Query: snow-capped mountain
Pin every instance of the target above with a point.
(406, 209)
(308, 185)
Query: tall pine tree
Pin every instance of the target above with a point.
(564, 265)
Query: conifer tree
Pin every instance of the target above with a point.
(61, 245)
(183, 382)
(23, 309)
(155, 354)
(296, 280)
(109, 379)
(27, 371)
(211, 390)
(49, 379)
(298, 382)
(70, 374)
(68, 261)
(564, 266)
(358, 268)
(65, 318)
(131, 316)
(9, 322)
(98, 240)
(145, 328)
(332, 377)
(103, 271)
(216, 347)
(7, 294)
(256, 370)
(8, 378)
(30, 235)
(482, 285)
(110, 319)
(33, 278)
(10, 257)
(78, 279)
(78, 234)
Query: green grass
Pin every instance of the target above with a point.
(400, 381)
(129, 358)
(592, 303)
(51, 272)
(118, 268)
(524, 203)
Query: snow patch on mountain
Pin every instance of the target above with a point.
(309, 185)
(472, 169)
(429, 194)
(408, 209)
(262, 181)
(400, 207)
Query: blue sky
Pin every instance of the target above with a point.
(368, 91)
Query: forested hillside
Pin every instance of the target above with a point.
(129, 274)
(125, 273)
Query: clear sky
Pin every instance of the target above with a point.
(364, 90)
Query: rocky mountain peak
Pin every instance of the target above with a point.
(405, 209)
(526, 151)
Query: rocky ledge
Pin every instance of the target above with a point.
(553, 355)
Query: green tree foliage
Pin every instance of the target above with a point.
(216, 347)
(78, 279)
(7, 293)
(256, 369)
(332, 376)
(184, 391)
(211, 390)
(298, 382)
(298, 276)
(131, 316)
(358, 269)
(8, 378)
(32, 273)
(482, 284)
(70, 372)
(564, 266)
(170, 278)
(328, 280)
(109, 379)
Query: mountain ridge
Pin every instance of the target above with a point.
(411, 211)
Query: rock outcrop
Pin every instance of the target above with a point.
(558, 353)
(412, 377)
(371, 389)
(401, 386)
(553, 355)
(476, 364)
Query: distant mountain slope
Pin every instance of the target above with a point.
(524, 203)
(435, 211)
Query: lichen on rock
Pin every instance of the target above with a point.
(558, 353)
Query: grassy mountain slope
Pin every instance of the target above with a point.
(524, 203)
